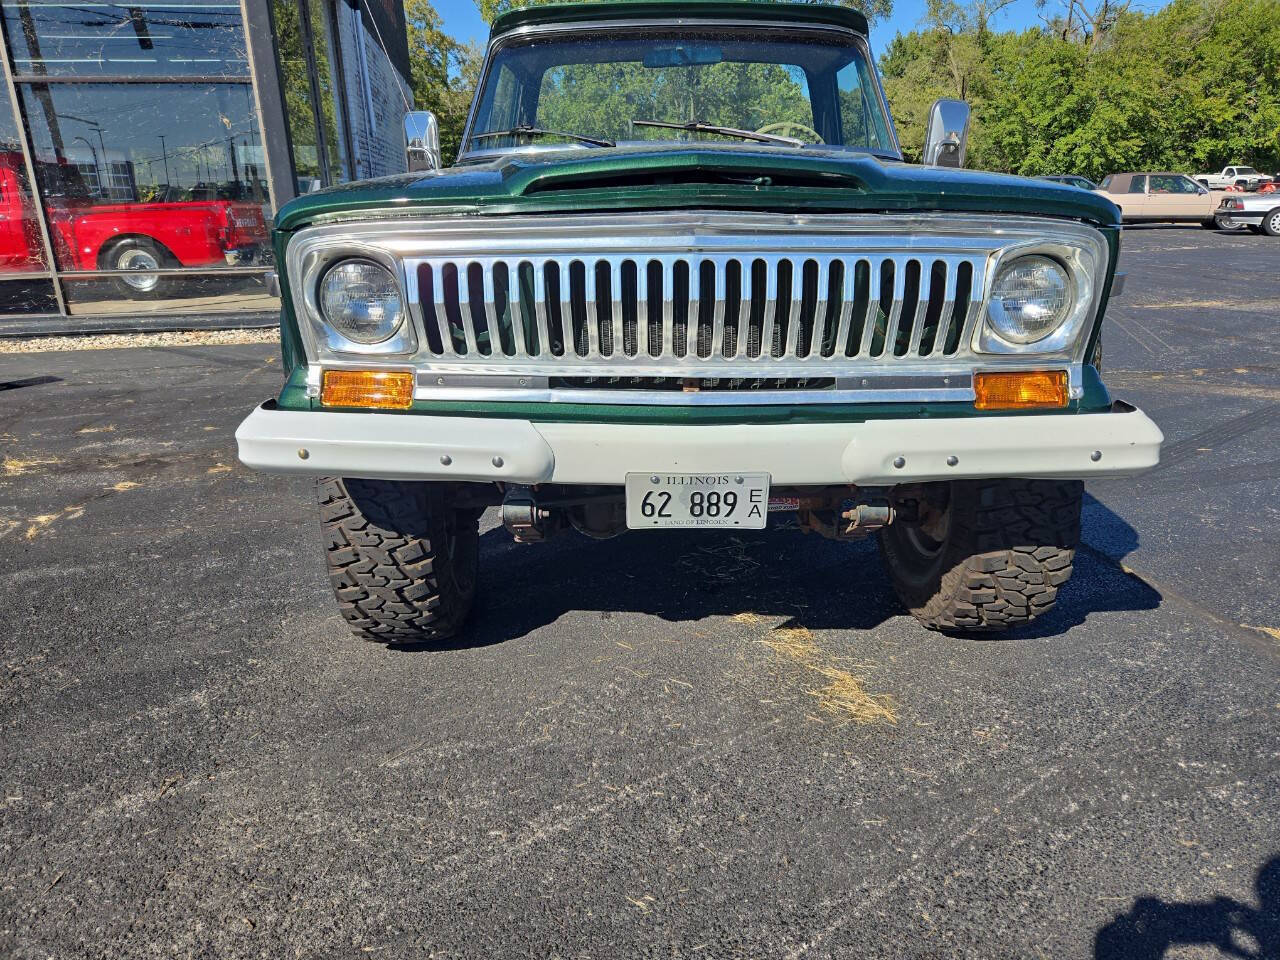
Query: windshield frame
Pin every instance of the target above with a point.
(858, 40)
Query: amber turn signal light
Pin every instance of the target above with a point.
(1020, 391)
(383, 389)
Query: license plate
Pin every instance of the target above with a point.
(697, 500)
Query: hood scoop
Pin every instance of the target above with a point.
(742, 169)
(710, 178)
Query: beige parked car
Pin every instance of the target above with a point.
(1161, 198)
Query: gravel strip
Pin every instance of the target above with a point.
(115, 341)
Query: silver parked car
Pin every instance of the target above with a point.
(1260, 212)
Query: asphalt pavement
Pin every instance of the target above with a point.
(644, 747)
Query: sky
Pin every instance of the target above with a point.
(462, 20)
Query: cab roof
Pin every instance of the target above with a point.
(680, 11)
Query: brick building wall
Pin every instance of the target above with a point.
(377, 97)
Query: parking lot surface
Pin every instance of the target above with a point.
(667, 744)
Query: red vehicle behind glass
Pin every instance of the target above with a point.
(134, 237)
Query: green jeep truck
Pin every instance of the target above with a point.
(680, 276)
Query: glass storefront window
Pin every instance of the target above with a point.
(138, 177)
(21, 246)
(309, 64)
(181, 293)
(326, 58)
(295, 81)
(27, 295)
(167, 39)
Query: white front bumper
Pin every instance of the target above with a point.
(413, 447)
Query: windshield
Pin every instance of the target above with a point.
(680, 85)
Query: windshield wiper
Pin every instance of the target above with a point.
(698, 126)
(525, 130)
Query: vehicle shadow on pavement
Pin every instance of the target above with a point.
(1151, 927)
(781, 572)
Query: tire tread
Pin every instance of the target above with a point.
(385, 548)
(1011, 548)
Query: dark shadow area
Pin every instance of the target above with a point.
(28, 382)
(1152, 926)
(781, 572)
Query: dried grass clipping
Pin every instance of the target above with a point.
(843, 696)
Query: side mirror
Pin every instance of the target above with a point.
(947, 133)
(422, 140)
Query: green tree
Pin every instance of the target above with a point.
(1100, 89)
(444, 72)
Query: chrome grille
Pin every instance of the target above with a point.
(703, 310)
(734, 306)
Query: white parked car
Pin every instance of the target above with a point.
(1246, 177)
(1259, 212)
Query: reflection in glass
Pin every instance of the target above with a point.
(21, 249)
(319, 158)
(326, 53)
(167, 39)
(27, 295)
(179, 294)
(137, 177)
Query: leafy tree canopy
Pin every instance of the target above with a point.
(1099, 89)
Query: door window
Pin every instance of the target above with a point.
(1172, 183)
(1138, 184)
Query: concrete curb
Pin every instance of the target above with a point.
(28, 327)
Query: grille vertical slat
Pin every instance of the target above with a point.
(615, 309)
(895, 312)
(464, 309)
(591, 310)
(518, 334)
(439, 301)
(717, 312)
(818, 334)
(922, 308)
(564, 269)
(543, 346)
(875, 295)
(795, 308)
(771, 268)
(668, 307)
(848, 294)
(496, 345)
(746, 307)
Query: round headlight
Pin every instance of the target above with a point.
(361, 300)
(1030, 297)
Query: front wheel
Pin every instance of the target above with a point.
(1228, 224)
(984, 555)
(402, 560)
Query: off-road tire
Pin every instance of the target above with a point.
(1007, 550)
(402, 561)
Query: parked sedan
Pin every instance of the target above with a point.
(1070, 179)
(1161, 198)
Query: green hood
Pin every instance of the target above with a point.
(727, 176)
